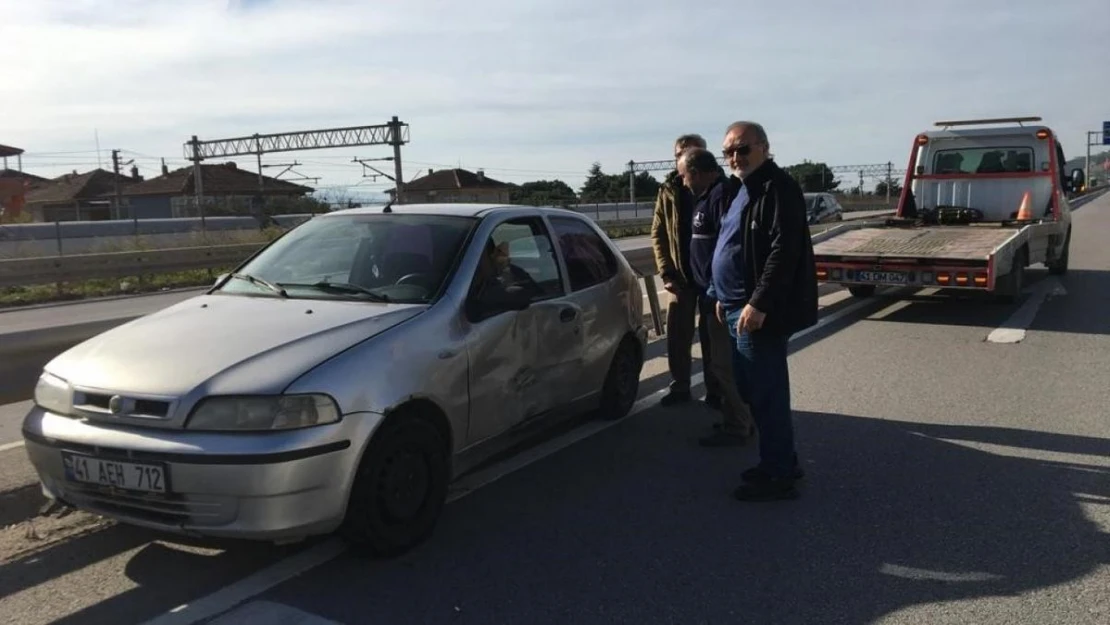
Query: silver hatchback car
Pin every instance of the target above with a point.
(344, 375)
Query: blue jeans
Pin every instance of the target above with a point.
(763, 379)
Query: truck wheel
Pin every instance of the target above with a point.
(1059, 266)
(862, 290)
(1013, 282)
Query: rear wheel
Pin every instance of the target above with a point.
(862, 290)
(400, 488)
(622, 382)
(1059, 266)
(1014, 281)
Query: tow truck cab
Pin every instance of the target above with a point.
(984, 174)
(978, 205)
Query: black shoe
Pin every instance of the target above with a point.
(713, 401)
(675, 397)
(773, 489)
(758, 474)
(720, 438)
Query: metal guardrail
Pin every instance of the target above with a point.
(117, 265)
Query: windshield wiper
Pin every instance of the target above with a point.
(259, 281)
(343, 287)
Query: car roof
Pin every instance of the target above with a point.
(459, 209)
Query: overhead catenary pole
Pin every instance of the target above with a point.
(632, 182)
(198, 183)
(396, 140)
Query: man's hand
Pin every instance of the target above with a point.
(750, 319)
(670, 286)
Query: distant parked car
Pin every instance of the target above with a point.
(344, 375)
(823, 208)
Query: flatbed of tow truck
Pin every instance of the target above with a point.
(977, 207)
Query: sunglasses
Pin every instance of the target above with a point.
(740, 150)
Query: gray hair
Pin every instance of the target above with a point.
(699, 160)
(690, 140)
(760, 133)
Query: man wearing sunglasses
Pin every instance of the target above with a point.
(671, 232)
(765, 283)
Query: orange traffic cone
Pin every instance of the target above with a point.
(1024, 212)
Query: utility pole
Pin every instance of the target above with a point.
(115, 184)
(198, 184)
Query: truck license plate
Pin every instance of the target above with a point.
(147, 478)
(898, 277)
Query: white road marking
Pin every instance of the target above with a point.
(1013, 329)
(10, 446)
(241, 591)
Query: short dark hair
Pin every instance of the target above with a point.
(690, 140)
(699, 160)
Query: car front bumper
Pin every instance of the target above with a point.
(265, 486)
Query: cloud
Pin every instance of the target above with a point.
(545, 86)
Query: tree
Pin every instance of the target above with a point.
(895, 188)
(602, 187)
(542, 192)
(814, 177)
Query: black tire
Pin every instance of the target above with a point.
(1059, 267)
(400, 489)
(1014, 282)
(862, 290)
(622, 382)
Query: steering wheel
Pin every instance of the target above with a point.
(409, 277)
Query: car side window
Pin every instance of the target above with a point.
(520, 254)
(589, 260)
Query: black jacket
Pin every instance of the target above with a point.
(778, 253)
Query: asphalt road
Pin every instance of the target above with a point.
(951, 479)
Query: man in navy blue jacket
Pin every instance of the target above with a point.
(707, 181)
(765, 282)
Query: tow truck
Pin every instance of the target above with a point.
(982, 200)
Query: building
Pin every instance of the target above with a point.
(454, 185)
(78, 197)
(227, 190)
(14, 183)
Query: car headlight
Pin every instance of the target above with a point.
(277, 412)
(54, 394)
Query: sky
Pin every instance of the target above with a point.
(535, 89)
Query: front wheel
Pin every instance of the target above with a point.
(622, 382)
(400, 488)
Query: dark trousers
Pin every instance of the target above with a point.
(684, 313)
(763, 380)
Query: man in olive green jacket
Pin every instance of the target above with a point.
(671, 231)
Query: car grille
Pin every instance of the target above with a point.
(92, 403)
(170, 509)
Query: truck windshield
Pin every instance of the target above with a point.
(992, 160)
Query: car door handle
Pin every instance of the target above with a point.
(568, 314)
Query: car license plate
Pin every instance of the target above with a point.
(898, 277)
(143, 477)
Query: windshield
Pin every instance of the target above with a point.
(811, 201)
(384, 257)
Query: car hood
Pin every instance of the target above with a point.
(226, 344)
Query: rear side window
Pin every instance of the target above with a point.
(1017, 159)
(589, 260)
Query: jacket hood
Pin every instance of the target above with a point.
(228, 344)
